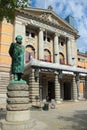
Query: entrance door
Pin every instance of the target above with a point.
(51, 90)
(67, 91)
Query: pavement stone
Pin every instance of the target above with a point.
(66, 116)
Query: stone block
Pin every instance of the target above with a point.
(17, 100)
(18, 94)
(16, 87)
(18, 115)
(18, 107)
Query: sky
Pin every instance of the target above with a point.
(75, 8)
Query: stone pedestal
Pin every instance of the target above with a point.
(18, 102)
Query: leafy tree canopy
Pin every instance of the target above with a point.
(8, 8)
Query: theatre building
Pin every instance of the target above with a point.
(54, 69)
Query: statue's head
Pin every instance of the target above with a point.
(19, 39)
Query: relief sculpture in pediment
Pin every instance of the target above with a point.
(48, 17)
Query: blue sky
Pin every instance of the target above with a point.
(76, 8)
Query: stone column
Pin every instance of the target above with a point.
(56, 48)
(85, 88)
(78, 89)
(57, 88)
(69, 53)
(74, 52)
(75, 95)
(41, 44)
(34, 88)
(19, 29)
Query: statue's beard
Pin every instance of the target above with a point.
(19, 42)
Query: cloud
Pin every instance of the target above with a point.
(76, 8)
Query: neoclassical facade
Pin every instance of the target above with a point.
(52, 68)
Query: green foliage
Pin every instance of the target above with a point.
(8, 8)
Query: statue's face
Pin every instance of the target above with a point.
(19, 39)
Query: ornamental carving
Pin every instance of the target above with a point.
(48, 17)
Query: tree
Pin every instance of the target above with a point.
(8, 8)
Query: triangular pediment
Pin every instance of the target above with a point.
(49, 16)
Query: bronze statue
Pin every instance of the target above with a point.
(16, 52)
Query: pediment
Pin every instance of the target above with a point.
(49, 16)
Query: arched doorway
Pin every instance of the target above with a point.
(29, 53)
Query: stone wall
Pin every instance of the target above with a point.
(4, 81)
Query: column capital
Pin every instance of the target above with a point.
(41, 29)
(56, 34)
(70, 38)
(24, 23)
(56, 73)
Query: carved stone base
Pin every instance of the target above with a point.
(18, 115)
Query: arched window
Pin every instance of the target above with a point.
(62, 60)
(29, 53)
(47, 55)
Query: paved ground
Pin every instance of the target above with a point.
(67, 116)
